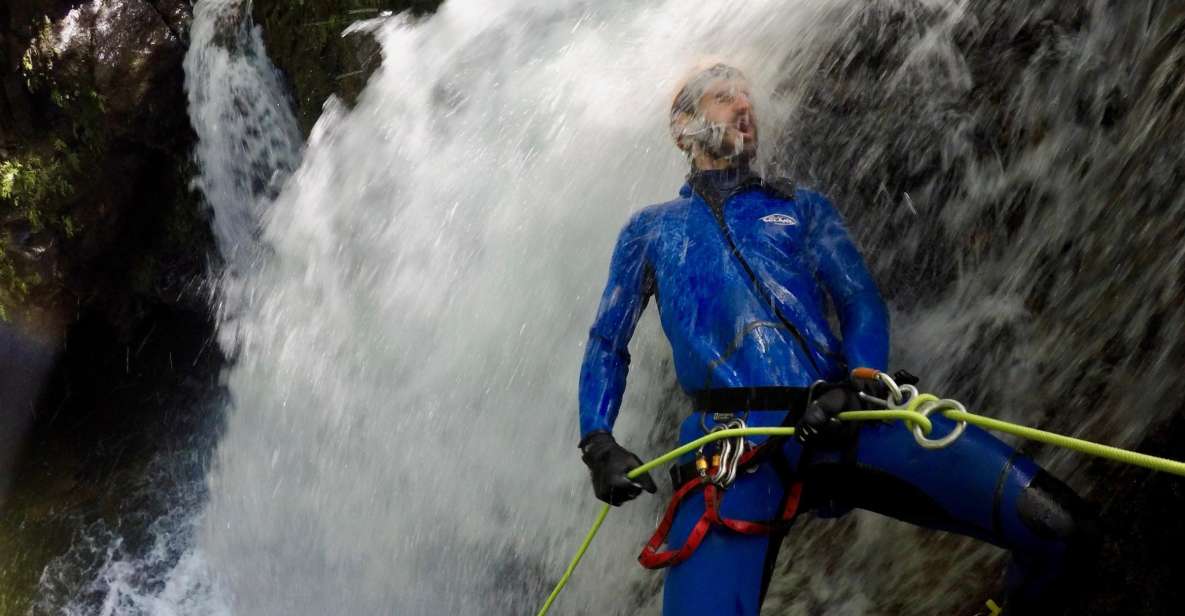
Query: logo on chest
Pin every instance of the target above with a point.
(780, 219)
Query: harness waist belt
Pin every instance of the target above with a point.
(732, 399)
(682, 473)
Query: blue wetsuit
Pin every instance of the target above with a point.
(718, 318)
(759, 319)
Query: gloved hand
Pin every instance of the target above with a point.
(820, 423)
(609, 462)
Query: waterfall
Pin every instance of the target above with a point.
(403, 420)
(406, 296)
(409, 337)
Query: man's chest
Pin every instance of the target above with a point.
(700, 242)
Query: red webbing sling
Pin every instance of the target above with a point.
(651, 558)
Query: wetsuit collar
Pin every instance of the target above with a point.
(717, 185)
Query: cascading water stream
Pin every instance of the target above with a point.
(407, 295)
(408, 339)
(409, 336)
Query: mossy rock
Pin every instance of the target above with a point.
(303, 39)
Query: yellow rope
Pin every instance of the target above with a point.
(1060, 440)
(592, 532)
(909, 415)
(663, 459)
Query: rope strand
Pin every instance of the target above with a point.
(911, 416)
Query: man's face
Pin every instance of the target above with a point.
(727, 106)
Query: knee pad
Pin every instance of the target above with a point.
(1052, 511)
(1060, 551)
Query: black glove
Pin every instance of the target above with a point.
(820, 424)
(609, 462)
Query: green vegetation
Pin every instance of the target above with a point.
(303, 38)
(40, 183)
(35, 189)
(35, 193)
(29, 539)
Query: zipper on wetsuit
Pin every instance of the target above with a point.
(716, 206)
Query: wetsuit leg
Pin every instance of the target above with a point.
(979, 486)
(724, 577)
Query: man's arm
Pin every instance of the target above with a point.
(607, 357)
(863, 318)
(606, 363)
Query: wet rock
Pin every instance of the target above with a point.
(305, 43)
(104, 252)
(128, 52)
(1013, 176)
(108, 164)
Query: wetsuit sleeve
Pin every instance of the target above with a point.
(606, 356)
(863, 318)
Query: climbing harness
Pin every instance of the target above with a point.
(904, 402)
(651, 558)
(713, 479)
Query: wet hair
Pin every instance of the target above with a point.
(686, 101)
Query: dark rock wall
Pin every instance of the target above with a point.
(94, 206)
(24, 366)
(1025, 156)
(303, 39)
(104, 260)
(104, 244)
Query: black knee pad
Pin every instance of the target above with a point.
(1055, 512)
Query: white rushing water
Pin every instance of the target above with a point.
(409, 318)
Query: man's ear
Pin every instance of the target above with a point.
(678, 131)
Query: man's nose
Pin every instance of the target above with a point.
(741, 103)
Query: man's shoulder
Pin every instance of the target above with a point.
(786, 188)
(781, 187)
(657, 212)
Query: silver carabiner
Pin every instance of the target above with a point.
(735, 463)
(731, 451)
(907, 393)
(939, 405)
(896, 399)
(722, 468)
(894, 390)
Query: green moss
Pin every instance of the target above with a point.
(37, 63)
(25, 548)
(187, 225)
(13, 288)
(46, 506)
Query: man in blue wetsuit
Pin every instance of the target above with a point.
(741, 269)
